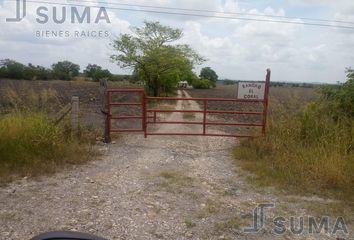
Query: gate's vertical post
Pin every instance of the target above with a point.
(265, 101)
(204, 116)
(104, 108)
(144, 119)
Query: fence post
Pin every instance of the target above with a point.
(105, 109)
(204, 116)
(75, 115)
(265, 102)
(144, 120)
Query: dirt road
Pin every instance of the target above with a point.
(155, 188)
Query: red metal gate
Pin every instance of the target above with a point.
(147, 119)
(112, 103)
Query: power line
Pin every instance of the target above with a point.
(198, 15)
(213, 11)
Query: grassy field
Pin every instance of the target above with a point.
(305, 151)
(30, 144)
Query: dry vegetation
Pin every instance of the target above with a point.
(30, 144)
(305, 149)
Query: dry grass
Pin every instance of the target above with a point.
(304, 151)
(331, 209)
(176, 178)
(30, 145)
(230, 225)
(173, 181)
(20, 100)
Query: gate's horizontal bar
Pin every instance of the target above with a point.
(125, 90)
(175, 122)
(126, 130)
(124, 104)
(233, 112)
(235, 124)
(170, 110)
(127, 117)
(204, 99)
(208, 111)
(209, 123)
(227, 135)
(199, 134)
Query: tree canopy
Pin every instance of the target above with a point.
(96, 72)
(15, 70)
(209, 74)
(341, 98)
(150, 53)
(65, 70)
(12, 69)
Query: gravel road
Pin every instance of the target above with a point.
(156, 188)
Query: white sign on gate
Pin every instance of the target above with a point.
(251, 90)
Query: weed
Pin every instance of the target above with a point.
(189, 223)
(176, 178)
(308, 151)
(231, 225)
(30, 145)
(188, 116)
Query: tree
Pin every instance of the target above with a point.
(12, 69)
(91, 69)
(150, 53)
(210, 74)
(102, 73)
(15, 70)
(65, 70)
(29, 72)
(96, 72)
(43, 73)
(350, 74)
(340, 98)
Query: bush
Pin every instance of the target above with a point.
(12, 69)
(15, 70)
(307, 153)
(65, 70)
(96, 72)
(30, 145)
(202, 84)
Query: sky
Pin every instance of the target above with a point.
(235, 49)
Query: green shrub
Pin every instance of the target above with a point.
(202, 84)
